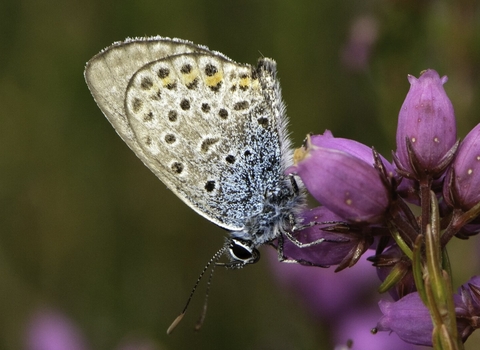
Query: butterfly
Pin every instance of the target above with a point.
(212, 130)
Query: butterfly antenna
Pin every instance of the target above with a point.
(205, 303)
(202, 317)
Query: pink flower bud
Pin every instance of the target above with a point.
(427, 120)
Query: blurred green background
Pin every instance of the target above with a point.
(86, 229)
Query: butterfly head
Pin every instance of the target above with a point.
(240, 252)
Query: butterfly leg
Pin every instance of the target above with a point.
(284, 259)
(299, 228)
(294, 228)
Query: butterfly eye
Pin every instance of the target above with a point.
(243, 252)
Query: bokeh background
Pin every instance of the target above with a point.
(95, 252)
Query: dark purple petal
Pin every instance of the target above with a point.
(470, 298)
(426, 119)
(466, 166)
(467, 307)
(345, 184)
(408, 190)
(408, 318)
(470, 229)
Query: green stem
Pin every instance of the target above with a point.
(438, 285)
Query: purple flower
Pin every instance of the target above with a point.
(427, 121)
(357, 50)
(467, 309)
(49, 329)
(343, 182)
(409, 318)
(463, 191)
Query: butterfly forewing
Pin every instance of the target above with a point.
(199, 121)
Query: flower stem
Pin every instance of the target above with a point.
(438, 285)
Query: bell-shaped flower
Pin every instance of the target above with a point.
(463, 190)
(347, 185)
(357, 327)
(426, 130)
(410, 319)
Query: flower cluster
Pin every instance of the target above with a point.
(367, 206)
(48, 328)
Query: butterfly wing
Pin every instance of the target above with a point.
(201, 122)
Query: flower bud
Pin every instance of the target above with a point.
(463, 191)
(427, 121)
